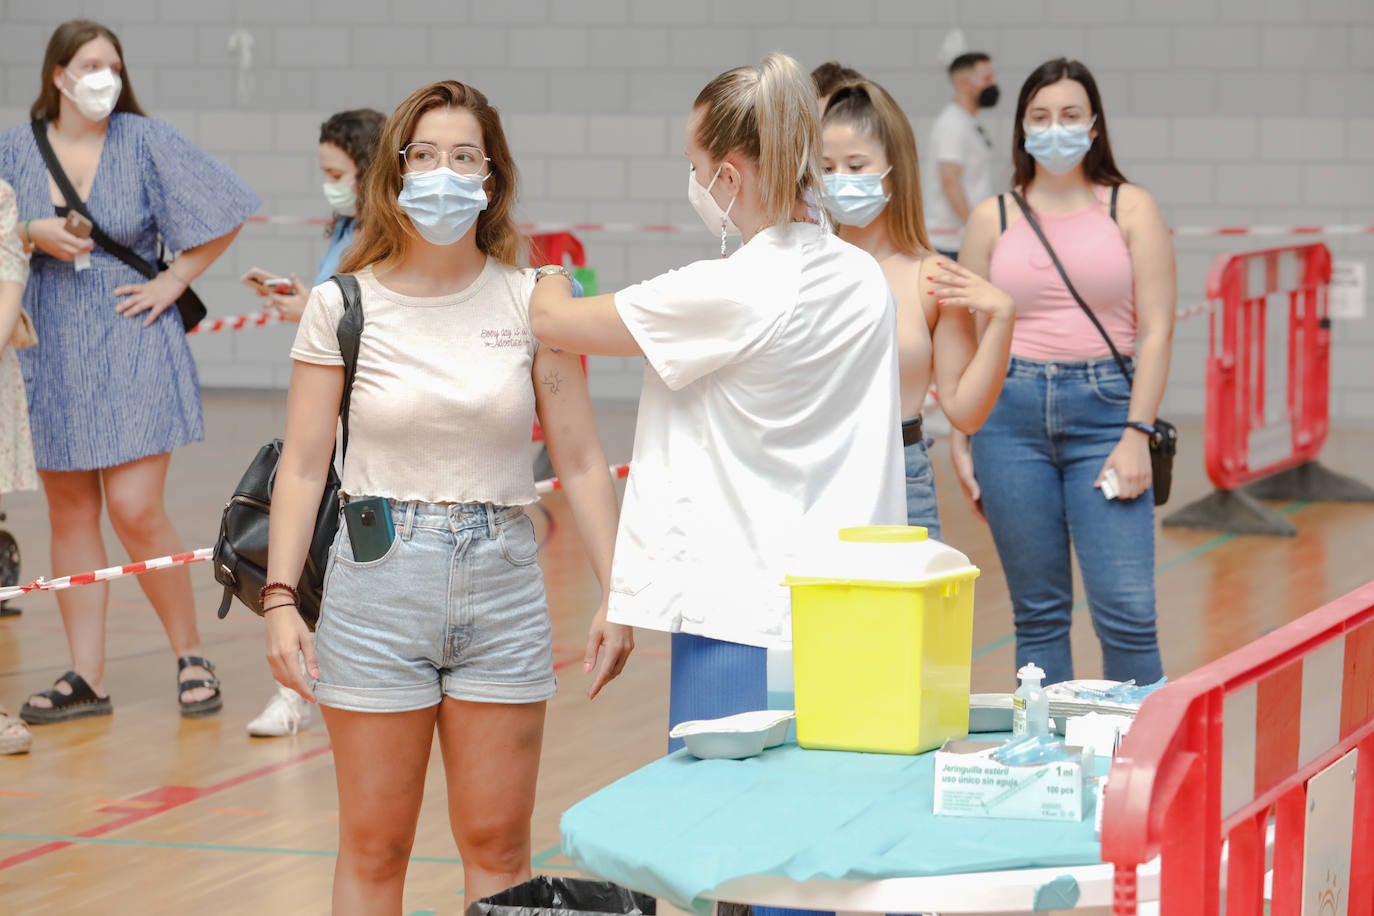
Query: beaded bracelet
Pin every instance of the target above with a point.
(272, 588)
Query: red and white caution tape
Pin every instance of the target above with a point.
(112, 572)
(670, 229)
(1192, 311)
(618, 471)
(236, 323)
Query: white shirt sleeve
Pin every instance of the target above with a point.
(696, 320)
(317, 338)
(947, 138)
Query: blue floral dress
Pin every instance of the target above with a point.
(104, 390)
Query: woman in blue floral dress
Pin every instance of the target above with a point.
(112, 387)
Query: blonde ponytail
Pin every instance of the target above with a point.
(767, 113)
(868, 108)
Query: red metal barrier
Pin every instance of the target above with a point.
(1248, 436)
(1281, 732)
(1268, 391)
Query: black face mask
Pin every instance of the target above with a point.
(989, 96)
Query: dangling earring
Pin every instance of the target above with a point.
(722, 236)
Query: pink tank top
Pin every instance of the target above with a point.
(1049, 323)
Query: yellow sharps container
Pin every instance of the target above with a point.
(882, 641)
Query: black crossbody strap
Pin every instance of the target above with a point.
(64, 184)
(350, 331)
(1040, 233)
(1002, 211)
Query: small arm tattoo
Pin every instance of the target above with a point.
(553, 381)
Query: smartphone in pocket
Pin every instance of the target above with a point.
(370, 530)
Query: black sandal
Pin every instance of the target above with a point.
(191, 709)
(78, 704)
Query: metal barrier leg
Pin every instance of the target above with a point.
(1312, 482)
(1235, 511)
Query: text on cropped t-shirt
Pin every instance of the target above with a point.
(443, 402)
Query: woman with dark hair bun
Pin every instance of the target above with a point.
(112, 387)
(348, 142)
(1063, 461)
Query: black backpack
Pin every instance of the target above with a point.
(240, 558)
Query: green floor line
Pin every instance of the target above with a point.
(1204, 548)
(261, 850)
(200, 847)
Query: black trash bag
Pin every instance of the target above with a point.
(544, 896)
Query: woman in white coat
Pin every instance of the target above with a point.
(769, 413)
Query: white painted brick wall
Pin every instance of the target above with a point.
(1233, 112)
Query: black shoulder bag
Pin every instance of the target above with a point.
(240, 557)
(188, 303)
(1163, 435)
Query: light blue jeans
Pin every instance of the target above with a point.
(921, 505)
(1036, 459)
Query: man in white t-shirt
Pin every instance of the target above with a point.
(958, 159)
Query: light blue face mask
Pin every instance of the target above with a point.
(441, 204)
(1058, 148)
(855, 200)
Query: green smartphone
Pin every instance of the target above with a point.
(370, 531)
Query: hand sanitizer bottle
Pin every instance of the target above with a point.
(1030, 708)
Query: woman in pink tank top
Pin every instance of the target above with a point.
(1062, 464)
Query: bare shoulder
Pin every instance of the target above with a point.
(1133, 200)
(901, 270)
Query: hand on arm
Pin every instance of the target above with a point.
(312, 410)
(569, 425)
(586, 325)
(155, 296)
(970, 362)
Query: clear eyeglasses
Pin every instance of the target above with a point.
(1040, 121)
(425, 157)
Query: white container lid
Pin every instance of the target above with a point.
(891, 555)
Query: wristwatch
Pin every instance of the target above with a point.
(549, 270)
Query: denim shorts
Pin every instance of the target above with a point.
(455, 608)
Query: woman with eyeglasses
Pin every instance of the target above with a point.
(437, 619)
(873, 192)
(112, 386)
(1063, 462)
(768, 419)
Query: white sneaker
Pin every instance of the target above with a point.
(286, 713)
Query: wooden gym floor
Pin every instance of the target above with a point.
(147, 813)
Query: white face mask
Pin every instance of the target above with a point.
(96, 94)
(855, 200)
(342, 197)
(441, 204)
(712, 216)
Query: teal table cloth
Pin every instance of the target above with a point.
(680, 826)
